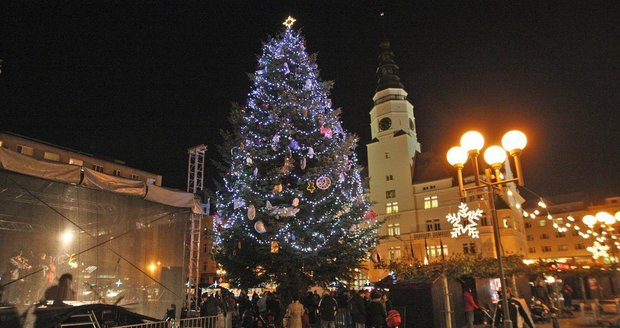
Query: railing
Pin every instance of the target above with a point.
(200, 322)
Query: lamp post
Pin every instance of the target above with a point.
(606, 229)
(472, 142)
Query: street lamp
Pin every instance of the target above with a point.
(472, 142)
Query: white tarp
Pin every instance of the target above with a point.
(16, 162)
(94, 179)
(172, 197)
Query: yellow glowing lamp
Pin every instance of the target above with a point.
(589, 220)
(514, 141)
(606, 218)
(457, 156)
(472, 141)
(495, 155)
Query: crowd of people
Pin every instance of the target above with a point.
(358, 309)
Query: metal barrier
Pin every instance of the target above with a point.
(199, 322)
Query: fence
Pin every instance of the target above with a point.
(200, 322)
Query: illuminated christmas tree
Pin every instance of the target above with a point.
(292, 209)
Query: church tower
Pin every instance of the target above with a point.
(394, 142)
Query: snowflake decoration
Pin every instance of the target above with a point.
(598, 250)
(471, 228)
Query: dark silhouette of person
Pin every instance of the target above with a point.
(61, 292)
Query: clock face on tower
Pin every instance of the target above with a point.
(385, 124)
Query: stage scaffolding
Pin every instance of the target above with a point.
(118, 248)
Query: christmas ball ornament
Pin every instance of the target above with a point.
(275, 247)
(251, 212)
(259, 226)
(369, 215)
(323, 182)
(296, 202)
(249, 160)
(277, 188)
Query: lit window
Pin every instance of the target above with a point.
(562, 248)
(542, 223)
(98, 168)
(546, 249)
(51, 156)
(77, 162)
(394, 253)
(116, 173)
(391, 208)
(431, 202)
(435, 250)
(25, 150)
(394, 229)
(390, 194)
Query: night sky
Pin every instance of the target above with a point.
(142, 81)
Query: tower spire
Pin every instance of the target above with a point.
(387, 72)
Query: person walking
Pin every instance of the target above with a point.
(518, 314)
(294, 312)
(375, 312)
(567, 293)
(327, 311)
(358, 309)
(470, 307)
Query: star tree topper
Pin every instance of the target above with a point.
(471, 228)
(289, 22)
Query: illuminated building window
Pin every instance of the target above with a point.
(469, 248)
(389, 177)
(542, 223)
(360, 280)
(390, 194)
(580, 246)
(562, 248)
(391, 208)
(431, 202)
(559, 234)
(394, 229)
(51, 156)
(98, 168)
(544, 236)
(116, 173)
(532, 250)
(435, 250)
(135, 177)
(25, 150)
(530, 237)
(546, 249)
(394, 253)
(528, 225)
(77, 162)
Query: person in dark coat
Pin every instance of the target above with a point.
(358, 309)
(375, 312)
(515, 310)
(327, 309)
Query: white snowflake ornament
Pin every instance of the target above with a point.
(471, 228)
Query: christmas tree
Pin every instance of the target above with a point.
(291, 210)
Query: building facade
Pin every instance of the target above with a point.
(49, 152)
(414, 191)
